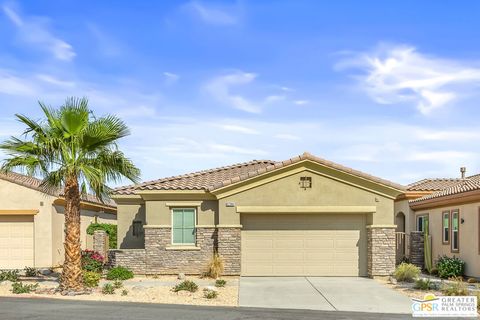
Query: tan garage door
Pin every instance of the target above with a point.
(303, 245)
(16, 242)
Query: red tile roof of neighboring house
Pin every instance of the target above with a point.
(210, 180)
(463, 185)
(34, 183)
(436, 184)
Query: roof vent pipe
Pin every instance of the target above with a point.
(463, 170)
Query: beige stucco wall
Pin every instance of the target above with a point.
(468, 235)
(127, 212)
(159, 212)
(58, 225)
(324, 192)
(403, 206)
(15, 197)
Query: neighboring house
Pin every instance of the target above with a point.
(32, 222)
(303, 216)
(452, 209)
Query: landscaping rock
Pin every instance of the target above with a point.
(6, 283)
(45, 272)
(212, 288)
(181, 276)
(392, 280)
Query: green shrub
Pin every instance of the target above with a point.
(117, 284)
(91, 279)
(110, 229)
(455, 288)
(119, 273)
(220, 283)
(9, 275)
(92, 261)
(30, 272)
(210, 294)
(19, 287)
(450, 267)
(406, 272)
(108, 288)
(425, 284)
(124, 292)
(186, 285)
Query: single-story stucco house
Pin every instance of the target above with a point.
(304, 216)
(32, 222)
(452, 208)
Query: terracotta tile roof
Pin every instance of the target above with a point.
(463, 185)
(213, 179)
(200, 180)
(433, 184)
(34, 183)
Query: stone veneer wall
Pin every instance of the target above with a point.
(229, 248)
(381, 250)
(101, 242)
(163, 258)
(133, 259)
(417, 248)
(160, 257)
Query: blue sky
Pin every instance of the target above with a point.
(390, 88)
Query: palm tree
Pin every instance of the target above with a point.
(73, 151)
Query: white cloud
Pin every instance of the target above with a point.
(106, 43)
(170, 77)
(35, 32)
(301, 102)
(274, 98)
(214, 15)
(402, 74)
(220, 88)
(237, 128)
(287, 136)
(55, 81)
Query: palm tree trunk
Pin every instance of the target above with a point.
(72, 267)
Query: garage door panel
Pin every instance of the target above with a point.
(16, 242)
(303, 245)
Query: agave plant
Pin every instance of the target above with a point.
(75, 152)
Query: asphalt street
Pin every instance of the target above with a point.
(56, 309)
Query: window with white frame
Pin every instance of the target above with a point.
(446, 226)
(183, 226)
(455, 246)
(422, 223)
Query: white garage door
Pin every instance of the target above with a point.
(303, 245)
(16, 242)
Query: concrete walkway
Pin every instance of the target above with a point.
(321, 293)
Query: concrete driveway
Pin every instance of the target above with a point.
(321, 293)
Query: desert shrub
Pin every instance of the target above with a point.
(124, 292)
(119, 273)
(209, 294)
(186, 285)
(425, 284)
(108, 288)
(110, 229)
(92, 261)
(30, 272)
(215, 266)
(450, 267)
(91, 279)
(455, 288)
(220, 283)
(406, 272)
(9, 275)
(117, 284)
(19, 287)
(472, 280)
